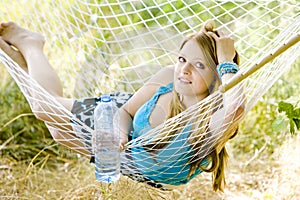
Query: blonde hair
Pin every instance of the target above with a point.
(218, 159)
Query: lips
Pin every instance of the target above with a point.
(184, 80)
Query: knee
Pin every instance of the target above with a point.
(239, 111)
(48, 112)
(38, 111)
(236, 111)
(70, 141)
(57, 136)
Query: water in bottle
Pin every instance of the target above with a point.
(106, 139)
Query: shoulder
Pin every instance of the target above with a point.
(161, 78)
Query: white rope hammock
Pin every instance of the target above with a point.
(118, 45)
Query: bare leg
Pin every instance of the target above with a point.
(30, 56)
(31, 45)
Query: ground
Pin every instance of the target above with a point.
(257, 176)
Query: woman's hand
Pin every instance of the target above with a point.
(125, 127)
(225, 45)
(123, 141)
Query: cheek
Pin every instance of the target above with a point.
(209, 80)
(205, 80)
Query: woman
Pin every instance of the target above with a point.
(205, 60)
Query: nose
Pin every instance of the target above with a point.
(186, 68)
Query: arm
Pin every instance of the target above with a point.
(128, 110)
(226, 119)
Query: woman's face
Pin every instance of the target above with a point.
(192, 75)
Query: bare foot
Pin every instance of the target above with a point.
(14, 54)
(21, 38)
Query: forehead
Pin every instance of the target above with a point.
(191, 50)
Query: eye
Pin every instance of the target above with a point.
(199, 65)
(181, 59)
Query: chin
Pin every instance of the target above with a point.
(183, 90)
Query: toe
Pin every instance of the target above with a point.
(6, 24)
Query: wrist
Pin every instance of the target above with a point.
(225, 59)
(227, 67)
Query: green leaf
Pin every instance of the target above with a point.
(297, 122)
(296, 113)
(287, 108)
(279, 124)
(292, 126)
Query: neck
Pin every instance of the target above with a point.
(188, 101)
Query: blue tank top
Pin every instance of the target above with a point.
(167, 165)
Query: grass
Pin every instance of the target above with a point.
(265, 177)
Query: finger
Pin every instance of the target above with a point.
(213, 35)
(123, 147)
(222, 33)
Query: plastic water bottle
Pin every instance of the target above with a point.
(105, 141)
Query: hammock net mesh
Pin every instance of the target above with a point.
(107, 46)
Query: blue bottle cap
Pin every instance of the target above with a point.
(105, 98)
